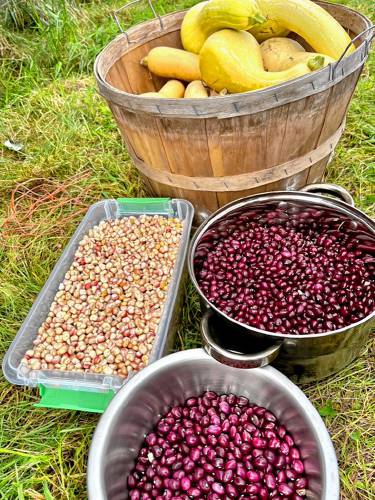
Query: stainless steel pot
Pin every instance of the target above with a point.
(302, 357)
(137, 407)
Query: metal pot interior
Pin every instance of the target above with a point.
(138, 406)
(276, 209)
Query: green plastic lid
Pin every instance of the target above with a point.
(70, 399)
(144, 205)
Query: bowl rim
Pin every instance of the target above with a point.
(288, 196)
(95, 468)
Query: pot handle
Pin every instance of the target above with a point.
(330, 189)
(236, 360)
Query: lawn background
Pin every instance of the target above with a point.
(72, 156)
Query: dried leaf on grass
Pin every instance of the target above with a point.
(13, 146)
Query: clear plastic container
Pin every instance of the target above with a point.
(89, 391)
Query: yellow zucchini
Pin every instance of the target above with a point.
(320, 30)
(268, 30)
(232, 60)
(196, 90)
(215, 15)
(173, 63)
(192, 35)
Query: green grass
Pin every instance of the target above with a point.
(71, 157)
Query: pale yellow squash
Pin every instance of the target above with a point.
(232, 60)
(173, 63)
(276, 50)
(173, 89)
(280, 54)
(309, 57)
(196, 90)
(281, 44)
(313, 59)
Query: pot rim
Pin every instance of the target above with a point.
(95, 474)
(353, 212)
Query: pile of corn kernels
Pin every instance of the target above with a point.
(105, 316)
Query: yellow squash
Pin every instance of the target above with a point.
(232, 60)
(281, 44)
(173, 63)
(215, 15)
(280, 54)
(268, 30)
(173, 89)
(314, 60)
(196, 90)
(311, 22)
(192, 35)
(275, 51)
(308, 58)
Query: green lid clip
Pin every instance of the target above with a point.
(144, 206)
(70, 399)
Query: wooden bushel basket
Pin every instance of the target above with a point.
(212, 151)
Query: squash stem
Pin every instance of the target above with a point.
(315, 63)
(257, 19)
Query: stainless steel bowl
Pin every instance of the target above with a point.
(137, 407)
(303, 357)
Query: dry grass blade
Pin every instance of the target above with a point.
(40, 194)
